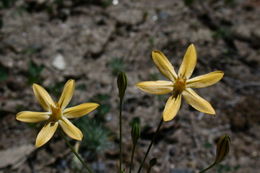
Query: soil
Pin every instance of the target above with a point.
(48, 43)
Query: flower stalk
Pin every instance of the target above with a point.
(121, 84)
(206, 169)
(151, 144)
(152, 162)
(120, 134)
(135, 133)
(75, 153)
(221, 152)
(132, 157)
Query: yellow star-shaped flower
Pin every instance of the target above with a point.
(180, 84)
(57, 113)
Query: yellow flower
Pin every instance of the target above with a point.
(180, 84)
(57, 113)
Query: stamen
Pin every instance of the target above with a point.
(56, 113)
(179, 86)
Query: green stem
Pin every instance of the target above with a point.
(150, 146)
(149, 169)
(132, 157)
(204, 170)
(120, 134)
(75, 153)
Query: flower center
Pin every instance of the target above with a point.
(179, 86)
(56, 113)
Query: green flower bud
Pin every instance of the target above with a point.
(136, 132)
(222, 148)
(121, 84)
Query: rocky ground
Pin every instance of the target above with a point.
(47, 42)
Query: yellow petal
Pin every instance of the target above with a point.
(67, 94)
(171, 108)
(46, 133)
(156, 87)
(43, 97)
(188, 63)
(32, 117)
(205, 80)
(163, 64)
(197, 102)
(71, 130)
(80, 110)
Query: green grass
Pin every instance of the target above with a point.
(34, 72)
(56, 89)
(3, 74)
(7, 3)
(116, 65)
(224, 168)
(96, 136)
(104, 108)
(208, 145)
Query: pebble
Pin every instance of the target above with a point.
(59, 62)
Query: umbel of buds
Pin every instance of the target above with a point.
(222, 148)
(121, 84)
(135, 133)
(222, 151)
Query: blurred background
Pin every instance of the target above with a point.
(50, 41)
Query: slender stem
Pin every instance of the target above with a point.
(204, 170)
(132, 157)
(149, 169)
(150, 146)
(75, 153)
(120, 133)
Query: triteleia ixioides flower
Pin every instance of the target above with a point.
(56, 113)
(180, 84)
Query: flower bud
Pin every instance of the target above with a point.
(222, 148)
(121, 84)
(136, 132)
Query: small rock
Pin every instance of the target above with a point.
(129, 16)
(115, 2)
(99, 167)
(15, 156)
(256, 33)
(243, 30)
(59, 62)
(201, 35)
(178, 170)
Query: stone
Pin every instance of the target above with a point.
(59, 62)
(15, 156)
(180, 170)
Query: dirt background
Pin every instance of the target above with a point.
(49, 42)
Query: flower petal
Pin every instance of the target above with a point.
(164, 66)
(43, 97)
(67, 93)
(205, 80)
(32, 117)
(80, 110)
(197, 102)
(188, 63)
(71, 130)
(46, 133)
(172, 107)
(156, 87)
